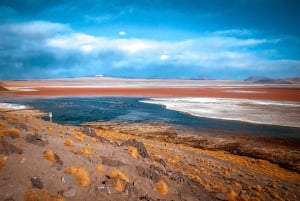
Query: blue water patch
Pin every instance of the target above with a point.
(75, 111)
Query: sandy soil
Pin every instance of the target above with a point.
(41, 160)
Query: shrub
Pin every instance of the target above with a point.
(81, 175)
(69, 142)
(162, 187)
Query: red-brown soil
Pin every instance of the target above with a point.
(154, 88)
(267, 93)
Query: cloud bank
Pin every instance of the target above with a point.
(43, 49)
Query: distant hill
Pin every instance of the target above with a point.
(267, 80)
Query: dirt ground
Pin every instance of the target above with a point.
(41, 160)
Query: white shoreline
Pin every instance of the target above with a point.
(280, 113)
(12, 106)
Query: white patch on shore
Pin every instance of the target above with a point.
(246, 92)
(12, 106)
(21, 89)
(283, 113)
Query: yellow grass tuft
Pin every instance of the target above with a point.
(59, 198)
(162, 187)
(49, 155)
(18, 144)
(81, 175)
(69, 142)
(100, 168)
(85, 151)
(117, 174)
(133, 151)
(93, 139)
(79, 136)
(37, 195)
(2, 125)
(119, 186)
(232, 196)
(2, 164)
(14, 133)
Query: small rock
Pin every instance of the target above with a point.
(161, 161)
(130, 189)
(221, 196)
(36, 182)
(90, 132)
(9, 199)
(243, 191)
(58, 162)
(23, 160)
(112, 163)
(139, 145)
(36, 139)
(67, 180)
(69, 193)
(149, 173)
(6, 148)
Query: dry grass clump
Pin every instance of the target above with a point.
(119, 185)
(37, 195)
(69, 142)
(100, 168)
(85, 151)
(2, 164)
(14, 133)
(59, 198)
(118, 174)
(82, 176)
(18, 144)
(79, 136)
(162, 187)
(41, 195)
(119, 179)
(2, 125)
(232, 196)
(93, 139)
(49, 155)
(133, 151)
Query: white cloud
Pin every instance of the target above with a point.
(210, 51)
(122, 33)
(206, 51)
(37, 27)
(164, 57)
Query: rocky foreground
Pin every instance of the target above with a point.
(41, 160)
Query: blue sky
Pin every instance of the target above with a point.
(231, 39)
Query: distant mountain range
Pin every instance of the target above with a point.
(267, 80)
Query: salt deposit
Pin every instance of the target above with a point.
(283, 113)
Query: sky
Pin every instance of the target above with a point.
(184, 39)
